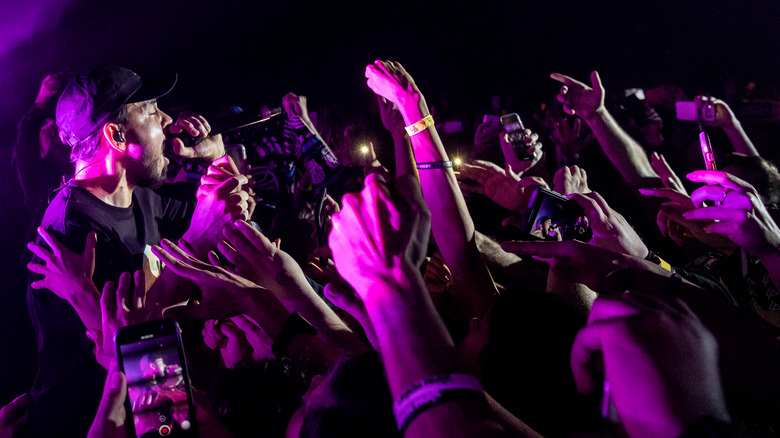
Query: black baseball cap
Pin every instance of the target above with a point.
(92, 98)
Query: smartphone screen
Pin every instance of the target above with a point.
(158, 389)
(512, 123)
(552, 216)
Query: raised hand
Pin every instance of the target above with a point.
(437, 275)
(669, 178)
(380, 233)
(578, 98)
(741, 215)
(569, 138)
(660, 361)
(533, 148)
(224, 294)
(341, 295)
(502, 186)
(66, 273)
(610, 229)
(724, 116)
(487, 135)
(391, 117)
(229, 340)
(388, 79)
(260, 260)
(578, 262)
(571, 179)
(216, 208)
(111, 415)
(297, 106)
(256, 336)
(673, 224)
(122, 303)
(218, 172)
(69, 276)
(51, 87)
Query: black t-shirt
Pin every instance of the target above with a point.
(69, 381)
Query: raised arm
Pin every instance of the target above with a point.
(452, 225)
(226, 294)
(262, 261)
(731, 126)
(742, 218)
(379, 241)
(623, 151)
(69, 275)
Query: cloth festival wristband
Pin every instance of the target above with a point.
(432, 391)
(435, 165)
(420, 126)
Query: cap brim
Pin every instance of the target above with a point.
(154, 87)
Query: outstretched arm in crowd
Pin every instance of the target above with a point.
(659, 361)
(226, 294)
(452, 226)
(611, 273)
(69, 275)
(731, 126)
(378, 241)
(623, 151)
(264, 263)
(123, 304)
(742, 218)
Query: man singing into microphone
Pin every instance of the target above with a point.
(110, 119)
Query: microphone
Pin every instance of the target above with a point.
(237, 118)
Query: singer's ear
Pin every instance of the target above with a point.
(114, 137)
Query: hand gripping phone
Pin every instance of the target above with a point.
(552, 216)
(515, 132)
(159, 396)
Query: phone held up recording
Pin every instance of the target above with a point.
(159, 395)
(552, 216)
(515, 132)
(700, 110)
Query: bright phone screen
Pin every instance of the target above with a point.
(156, 386)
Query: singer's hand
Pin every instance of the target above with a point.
(210, 148)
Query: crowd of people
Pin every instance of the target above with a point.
(406, 297)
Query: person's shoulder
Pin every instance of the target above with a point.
(74, 207)
(69, 201)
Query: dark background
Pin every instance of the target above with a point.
(240, 52)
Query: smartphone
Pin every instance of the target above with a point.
(159, 395)
(706, 151)
(552, 216)
(696, 111)
(515, 131)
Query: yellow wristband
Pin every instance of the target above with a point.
(420, 126)
(664, 264)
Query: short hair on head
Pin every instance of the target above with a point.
(87, 148)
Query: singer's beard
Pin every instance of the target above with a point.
(149, 171)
